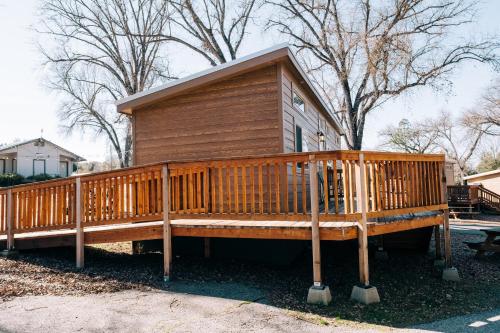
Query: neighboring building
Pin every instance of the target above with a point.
(37, 156)
(489, 180)
(260, 104)
(450, 170)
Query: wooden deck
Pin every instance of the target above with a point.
(334, 195)
(293, 230)
(472, 199)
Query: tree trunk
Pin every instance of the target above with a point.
(127, 158)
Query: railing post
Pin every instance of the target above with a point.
(313, 179)
(363, 293)
(167, 231)
(80, 235)
(450, 273)
(10, 222)
(318, 293)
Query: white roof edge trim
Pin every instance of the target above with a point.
(486, 173)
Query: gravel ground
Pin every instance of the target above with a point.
(410, 287)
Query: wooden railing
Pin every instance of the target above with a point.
(3, 211)
(122, 196)
(489, 198)
(278, 187)
(258, 188)
(463, 194)
(473, 195)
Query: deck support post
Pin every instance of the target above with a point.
(450, 273)
(206, 247)
(381, 254)
(80, 235)
(318, 292)
(364, 292)
(9, 250)
(10, 222)
(438, 261)
(167, 230)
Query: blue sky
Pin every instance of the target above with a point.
(27, 106)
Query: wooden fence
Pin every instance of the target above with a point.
(257, 188)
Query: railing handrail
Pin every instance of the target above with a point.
(396, 183)
(485, 190)
(338, 154)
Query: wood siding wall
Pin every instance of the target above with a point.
(311, 120)
(234, 117)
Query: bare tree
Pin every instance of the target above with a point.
(410, 137)
(98, 51)
(368, 52)
(458, 140)
(215, 29)
(490, 158)
(487, 110)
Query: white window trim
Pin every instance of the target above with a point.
(295, 93)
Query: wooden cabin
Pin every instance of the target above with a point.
(260, 104)
(245, 150)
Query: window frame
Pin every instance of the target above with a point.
(299, 96)
(44, 166)
(67, 168)
(297, 139)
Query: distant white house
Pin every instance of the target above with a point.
(37, 156)
(489, 180)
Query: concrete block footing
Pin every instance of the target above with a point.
(9, 253)
(319, 295)
(365, 294)
(439, 263)
(451, 274)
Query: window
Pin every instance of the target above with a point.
(14, 165)
(298, 139)
(2, 166)
(298, 102)
(63, 169)
(39, 167)
(322, 125)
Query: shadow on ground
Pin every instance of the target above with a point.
(410, 288)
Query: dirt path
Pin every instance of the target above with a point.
(154, 311)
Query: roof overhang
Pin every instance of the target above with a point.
(483, 174)
(265, 57)
(10, 149)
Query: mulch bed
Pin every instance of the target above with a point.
(410, 287)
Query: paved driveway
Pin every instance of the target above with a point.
(486, 322)
(155, 311)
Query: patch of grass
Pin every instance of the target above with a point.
(323, 321)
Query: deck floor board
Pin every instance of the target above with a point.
(215, 228)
